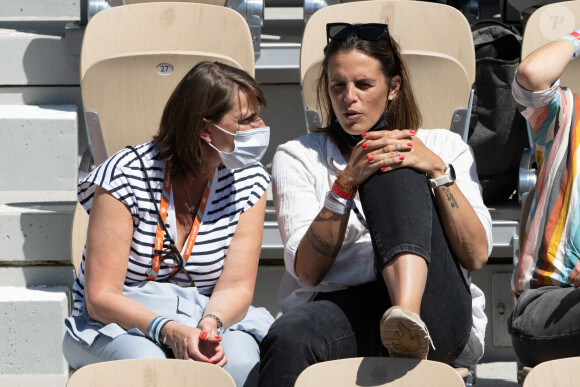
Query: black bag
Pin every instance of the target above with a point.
(497, 131)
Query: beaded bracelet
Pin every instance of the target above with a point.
(343, 184)
(155, 327)
(574, 39)
(219, 323)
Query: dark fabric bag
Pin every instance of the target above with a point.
(497, 132)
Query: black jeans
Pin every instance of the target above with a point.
(545, 325)
(402, 217)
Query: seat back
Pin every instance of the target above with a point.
(78, 236)
(151, 372)
(129, 94)
(436, 43)
(134, 56)
(549, 23)
(251, 10)
(379, 371)
(554, 373)
(221, 3)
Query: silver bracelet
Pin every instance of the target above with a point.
(337, 205)
(345, 202)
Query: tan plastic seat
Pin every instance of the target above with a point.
(554, 373)
(549, 23)
(436, 44)
(151, 372)
(379, 371)
(221, 3)
(78, 236)
(134, 56)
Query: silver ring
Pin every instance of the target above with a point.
(397, 148)
(397, 152)
(384, 150)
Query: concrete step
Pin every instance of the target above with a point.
(36, 53)
(41, 142)
(26, 9)
(31, 336)
(27, 276)
(35, 227)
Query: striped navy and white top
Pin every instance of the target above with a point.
(232, 192)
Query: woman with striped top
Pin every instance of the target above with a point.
(175, 233)
(544, 324)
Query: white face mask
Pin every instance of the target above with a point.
(249, 147)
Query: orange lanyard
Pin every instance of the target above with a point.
(160, 234)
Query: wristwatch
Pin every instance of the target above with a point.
(447, 178)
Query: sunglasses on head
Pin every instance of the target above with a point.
(368, 31)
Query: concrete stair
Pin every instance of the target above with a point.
(37, 53)
(39, 129)
(42, 142)
(43, 10)
(31, 336)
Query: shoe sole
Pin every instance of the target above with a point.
(403, 336)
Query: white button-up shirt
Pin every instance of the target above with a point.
(303, 172)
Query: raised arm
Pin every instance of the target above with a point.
(540, 69)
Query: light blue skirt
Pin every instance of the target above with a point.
(184, 305)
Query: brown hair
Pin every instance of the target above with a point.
(209, 90)
(402, 112)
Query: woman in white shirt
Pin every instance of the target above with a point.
(398, 274)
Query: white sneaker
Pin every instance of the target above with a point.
(404, 334)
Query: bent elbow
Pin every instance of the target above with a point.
(308, 276)
(310, 280)
(477, 262)
(527, 76)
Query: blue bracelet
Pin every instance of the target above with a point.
(155, 327)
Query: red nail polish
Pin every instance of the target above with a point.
(412, 131)
(410, 144)
(371, 158)
(210, 362)
(364, 135)
(401, 158)
(203, 335)
(383, 169)
(218, 337)
(364, 146)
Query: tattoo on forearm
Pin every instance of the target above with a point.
(320, 245)
(450, 198)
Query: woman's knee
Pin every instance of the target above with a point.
(292, 330)
(243, 356)
(312, 330)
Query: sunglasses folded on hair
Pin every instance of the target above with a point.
(367, 31)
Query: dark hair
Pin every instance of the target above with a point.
(209, 90)
(402, 112)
